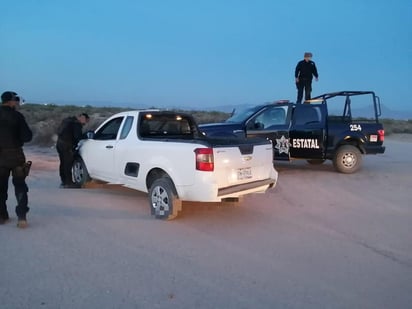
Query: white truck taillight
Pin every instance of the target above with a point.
(204, 159)
(381, 135)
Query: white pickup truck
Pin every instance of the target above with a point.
(164, 153)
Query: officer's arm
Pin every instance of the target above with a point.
(77, 133)
(25, 133)
(315, 71)
(297, 69)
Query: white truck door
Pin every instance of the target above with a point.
(104, 143)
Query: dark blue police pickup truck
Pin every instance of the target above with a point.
(339, 126)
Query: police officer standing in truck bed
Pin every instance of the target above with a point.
(304, 72)
(14, 132)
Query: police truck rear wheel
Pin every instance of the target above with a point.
(348, 159)
(163, 200)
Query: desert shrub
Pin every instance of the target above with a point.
(207, 117)
(393, 126)
(43, 132)
(45, 119)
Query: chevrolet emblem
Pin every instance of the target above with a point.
(247, 158)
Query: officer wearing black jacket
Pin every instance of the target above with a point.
(69, 134)
(14, 132)
(304, 72)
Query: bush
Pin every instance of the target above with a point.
(392, 126)
(45, 119)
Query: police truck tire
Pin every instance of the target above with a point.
(348, 159)
(163, 199)
(79, 172)
(315, 161)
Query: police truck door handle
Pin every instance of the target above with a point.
(109, 146)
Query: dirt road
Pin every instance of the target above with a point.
(318, 240)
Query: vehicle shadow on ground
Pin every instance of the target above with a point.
(112, 202)
(189, 209)
(302, 165)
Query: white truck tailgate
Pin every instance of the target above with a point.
(234, 168)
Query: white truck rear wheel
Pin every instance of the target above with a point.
(163, 200)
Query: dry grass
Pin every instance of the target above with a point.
(397, 126)
(44, 119)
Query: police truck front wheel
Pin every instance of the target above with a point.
(348, 159)
(80, 173)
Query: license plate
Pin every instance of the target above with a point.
(244, 173)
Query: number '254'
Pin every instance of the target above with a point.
(355, 127)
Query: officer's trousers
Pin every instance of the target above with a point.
(12, 162)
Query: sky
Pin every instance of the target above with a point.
(196, 54)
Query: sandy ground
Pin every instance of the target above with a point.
(318, 240)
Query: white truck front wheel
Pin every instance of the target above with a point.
(80, 173)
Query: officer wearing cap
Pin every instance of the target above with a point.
(304, 72)
(14, 132)
(69, 134)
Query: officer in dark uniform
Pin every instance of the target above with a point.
(14, 132)
(304, 72)
(69, 134)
